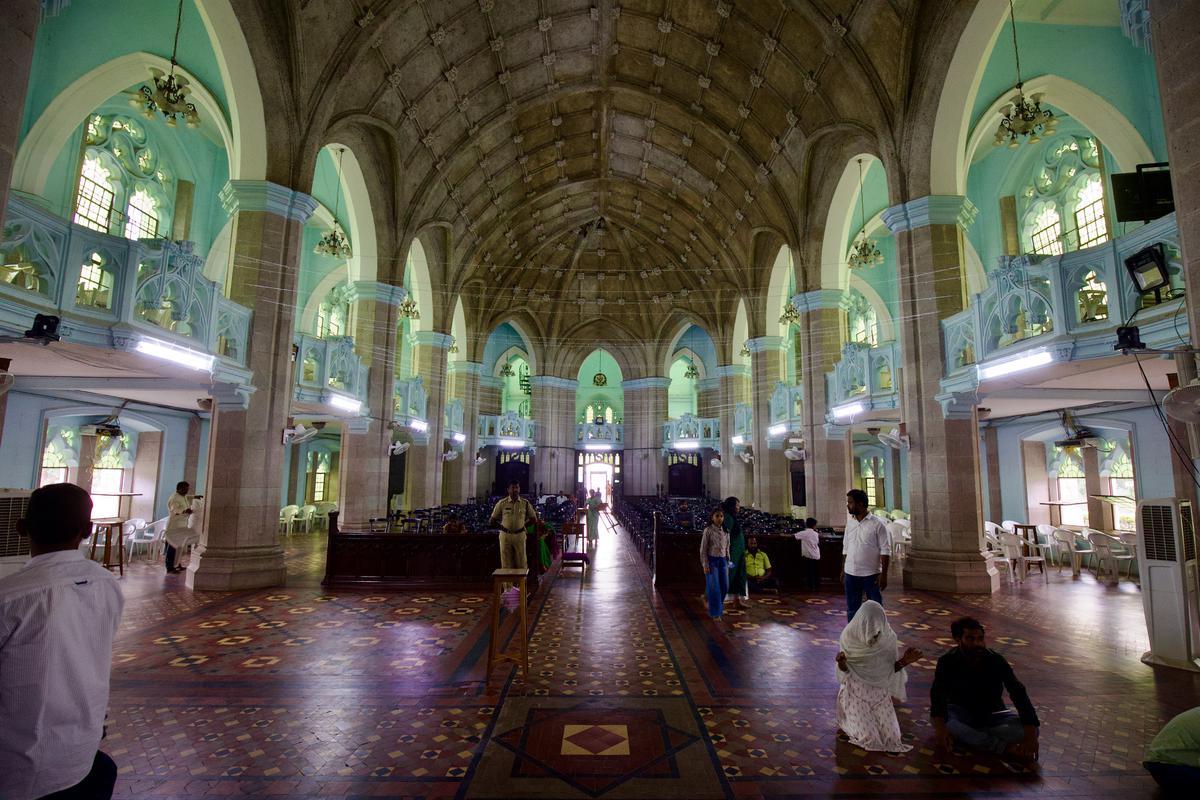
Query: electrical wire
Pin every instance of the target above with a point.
(1176, 446)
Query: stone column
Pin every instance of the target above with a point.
(553, 404)
(708, 405)
(772, 479)
(491, 390)
(644, 468)
(736, 479)
(461, 474)
(21, 18)
(947, 502)
(1175, 37)
(364, 463)
(424, 466)
(827, 475)
(239, 543)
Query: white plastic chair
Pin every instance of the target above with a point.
(1009, 525)
(1045, 542)
(1110, 553)
(137, 537)
(287, 519)
(322, 514)
(1013, 548)
(306, 517)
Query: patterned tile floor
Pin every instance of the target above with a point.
(632, 693)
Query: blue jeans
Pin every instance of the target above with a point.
(716, 585)
(856, 585)
(993, 732)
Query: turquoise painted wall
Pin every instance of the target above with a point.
(611, 394)
(315, 268)
(89, 33)
(498, 341)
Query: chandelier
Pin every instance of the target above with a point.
(691, 373)
(506, 371)
(745, 352)
(600, 379)
(334, 243)
(169, 96)
(408, 310)
(453, 345)
(1023, 117)
(864, 253)
(790, 315)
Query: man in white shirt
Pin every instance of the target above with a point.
(179, 524)
(866, 551)
(58, 616)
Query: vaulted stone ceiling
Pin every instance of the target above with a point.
(588, 150)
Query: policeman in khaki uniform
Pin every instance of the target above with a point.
(513, 513)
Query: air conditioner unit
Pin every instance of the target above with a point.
(1170, 585)
(14, 548)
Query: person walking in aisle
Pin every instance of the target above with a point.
(714, 558)
(179, 524)
(866, 551)
(737, 550)
(594, 504)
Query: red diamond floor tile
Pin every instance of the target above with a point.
(296, 692)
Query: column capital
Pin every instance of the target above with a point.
(763, 344)
(732, 371)
(646, 383)
(379, 292)
(817, 300)
(934, 209)
(269, 198)
(466, 368)
(441, 341)
(553, 382)
(708, 384)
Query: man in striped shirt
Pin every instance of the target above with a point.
(58, 615)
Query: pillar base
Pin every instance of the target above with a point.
(225, 569)
(958, 573)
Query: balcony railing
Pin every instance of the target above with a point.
(509, 430)
(453, 418)
(409, 401)
(865, 375)
(328, 366)
(691, 432)
(108, 289)
(743, 424)
(787, 405)
(1071, 302)
(600, 433)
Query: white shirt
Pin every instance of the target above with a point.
(179, 523)
(58, 615)
(864, 543)
(810, 544)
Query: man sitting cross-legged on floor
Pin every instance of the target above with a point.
(967, 698)
(758, 568)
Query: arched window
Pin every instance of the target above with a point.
(1090, 222)
(1045, 231)
(58, 456)
(141, 216)
(123, 188)
(320, 467)
(113, 458)
(871, 480)
(1063, 201)
(95, 196)
(1072, 489)
(1121, 484)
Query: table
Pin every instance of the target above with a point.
(1028, 534)
(109, 525)
(497, 655)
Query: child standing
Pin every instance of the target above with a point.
(714, 557)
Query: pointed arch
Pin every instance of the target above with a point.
(418, 283)
(839, 223)
(364, 259)
(778, 294)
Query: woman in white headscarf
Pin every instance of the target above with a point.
(870, 676)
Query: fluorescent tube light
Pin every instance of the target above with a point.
(846, 411)
(997, 369)
(183, 356)
(777, 430)
(739, 439)
(460, 437)
(418, 425)
(597, 447)
(512, 444)
(687, 444)
(344, 403)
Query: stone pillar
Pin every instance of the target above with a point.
(21, 18)
(644, 469)
(424, 466)
(947, 502)
(553, 404)
(491, 390)
(461, 474)
(772, 478)
(708, 405)
(364, 463)
(239, 544)
(736, 476)
(827, 473)
(1175, 37)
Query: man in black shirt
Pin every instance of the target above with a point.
(967, 698)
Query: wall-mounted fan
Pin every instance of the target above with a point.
(396, 448)
(896, 438)
(298, 433)
(746, 456)
(715, 463)
(1183, 403)
(479, 460)
(795, 454)
(450, 455)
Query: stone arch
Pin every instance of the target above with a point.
(692, 356)
(741, 333)
(883, 317)
(308, 315)
(782, 272)
(418, 283)
(529, 353)
(839, 223)
(458, 327)
(364, 258)
(680, 328)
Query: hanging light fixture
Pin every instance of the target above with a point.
(408, 309)
(1023, 117)
(334, 243)
(691, 373)
(453, 346)
(169, 96)
(600, 379)
(506, 371)
(790, 314)
(864, 253)
(745, 352)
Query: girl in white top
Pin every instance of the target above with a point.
(714, 558)
(870, 676)
(179, 523)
